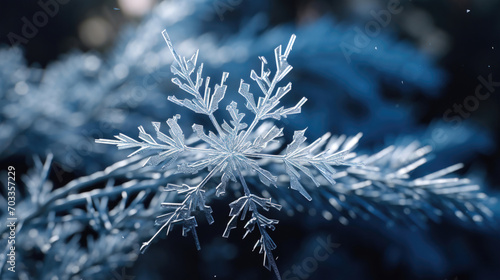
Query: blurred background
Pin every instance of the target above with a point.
(73, 71)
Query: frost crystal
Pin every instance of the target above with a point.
(235, 151)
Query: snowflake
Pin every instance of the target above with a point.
(236, 152)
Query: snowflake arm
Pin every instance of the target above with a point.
(251, 203)
(173, 146)
(183, 68)
(195, 198)
(269, 101)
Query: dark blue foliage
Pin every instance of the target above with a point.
(91, 223)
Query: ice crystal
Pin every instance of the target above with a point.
(232, 151)
(326, 169)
